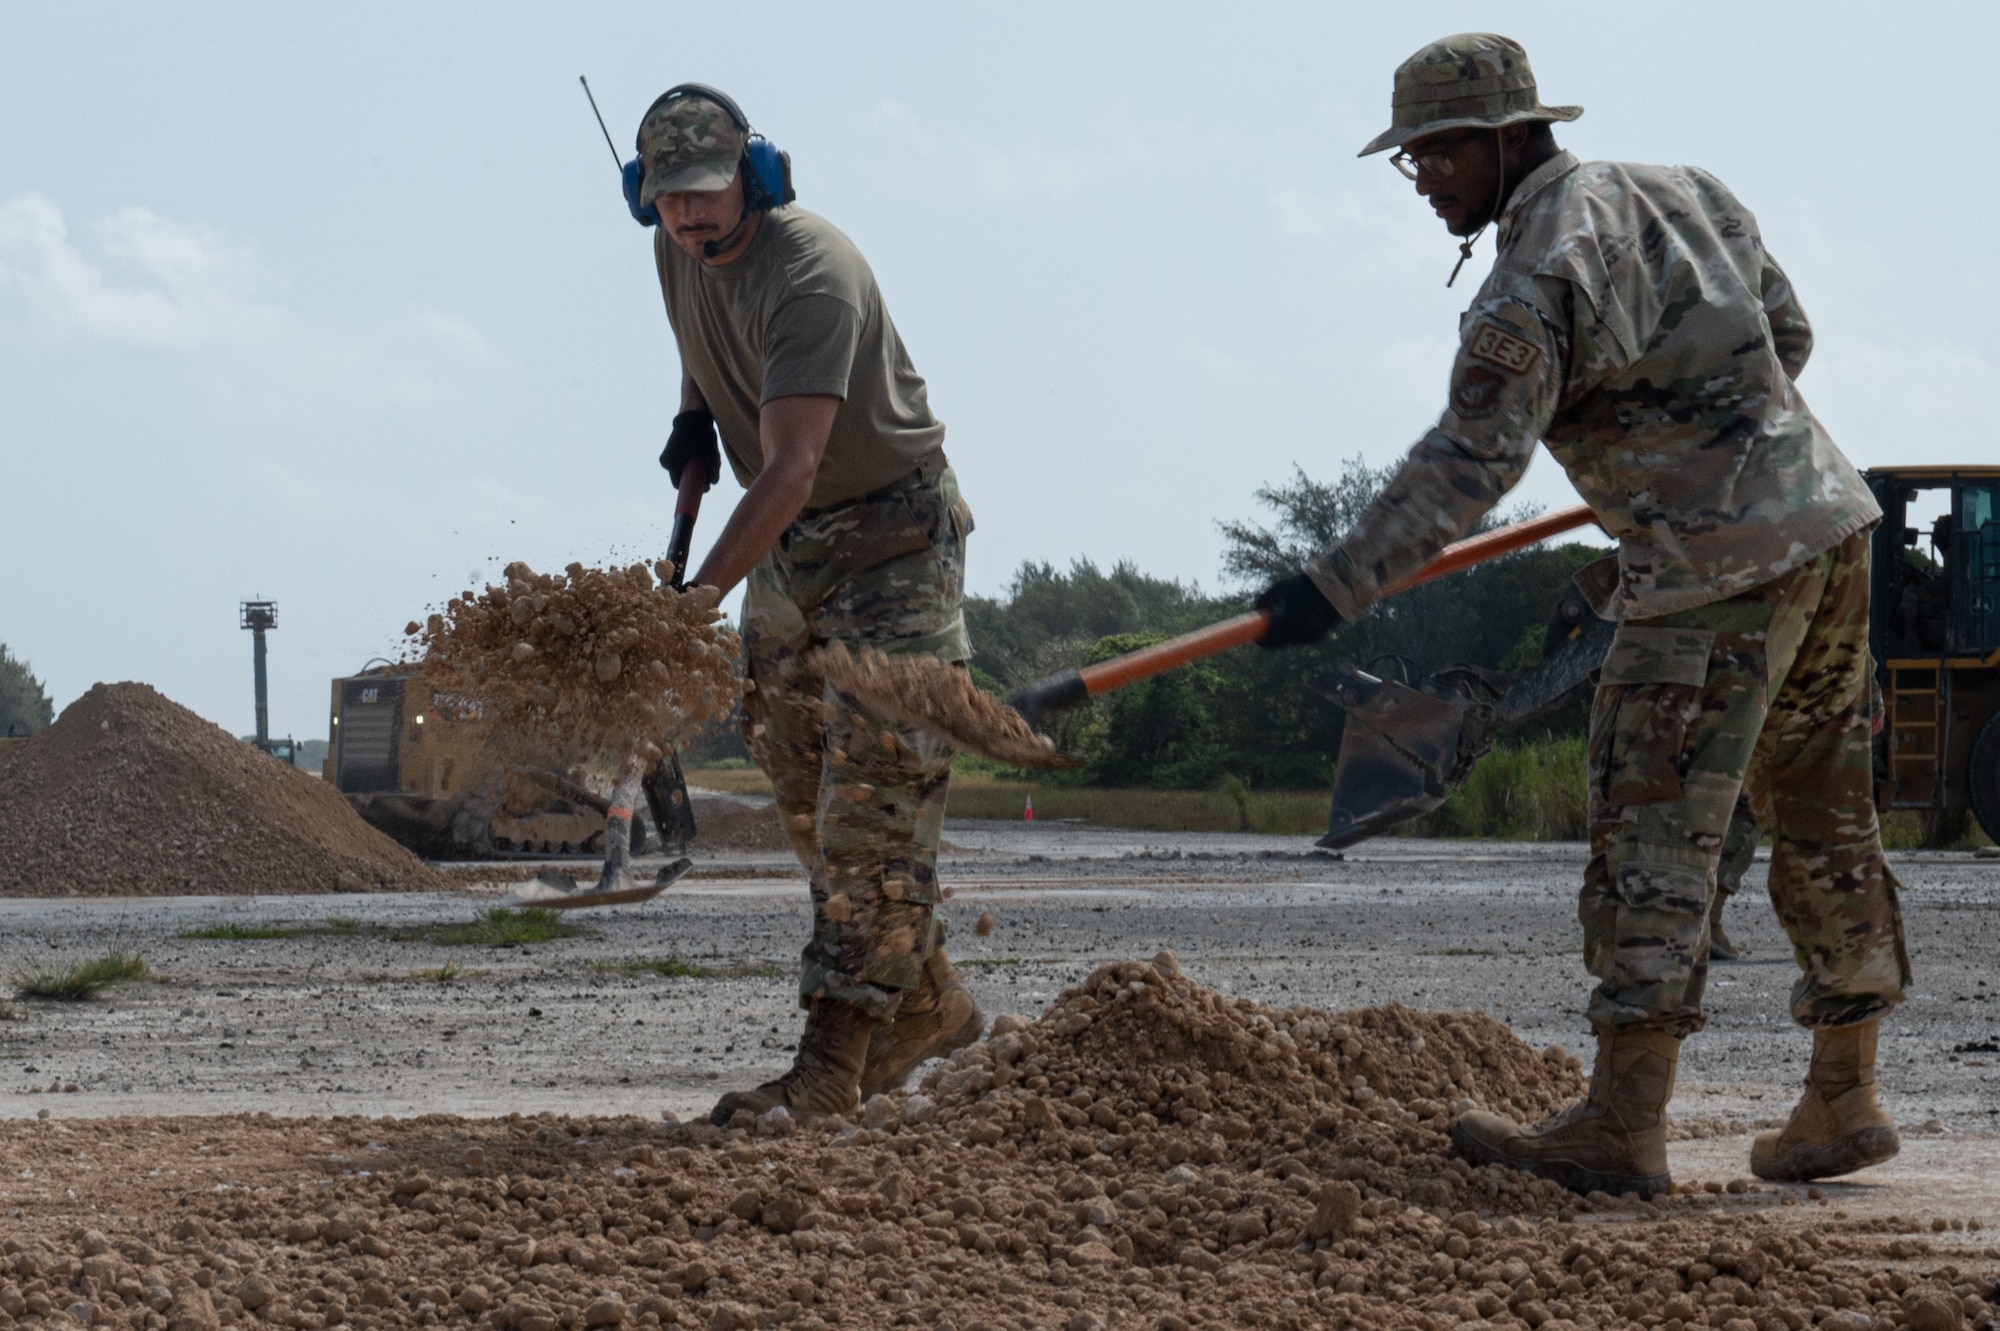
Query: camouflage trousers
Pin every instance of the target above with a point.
(1770, 689)
(1739, 846)
(861, 796)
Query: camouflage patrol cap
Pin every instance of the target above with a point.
(1471, 80)
(688, 142)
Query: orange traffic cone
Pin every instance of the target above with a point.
(1028, 813)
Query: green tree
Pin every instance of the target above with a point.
(24, 704)
(1048, 620)
(1261, 718)
(1160, 732)
(1310, 517)
(1480, 617)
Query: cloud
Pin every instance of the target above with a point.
(1377, 229)
(923, 149)
(155, 285)
(1899, 398)
(1221, 366)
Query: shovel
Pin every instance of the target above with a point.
(1058, 693)
(665, 788)
(933, 695)
(553, 890)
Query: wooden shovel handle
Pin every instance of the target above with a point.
(1243, 629)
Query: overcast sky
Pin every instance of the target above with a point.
(339, 305)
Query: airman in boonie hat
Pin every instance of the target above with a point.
(1682, 423)
(1476, 79)
(688, 143)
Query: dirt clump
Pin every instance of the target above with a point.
(587, 662)
(1031, 1183)
(131, 794)
(940, 697)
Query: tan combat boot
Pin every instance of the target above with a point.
(936, 1018)
(826, 1075)
(1837, 1126)
(1614, 1140)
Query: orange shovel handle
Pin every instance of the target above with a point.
(1243, 629)
(1487, 545)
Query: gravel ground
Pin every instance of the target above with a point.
(346, 1017)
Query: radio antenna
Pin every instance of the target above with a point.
(600, 122)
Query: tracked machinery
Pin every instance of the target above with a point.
(419, 766)
(1934, 633)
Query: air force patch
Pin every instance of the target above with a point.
(1496, 346)
(1476, 395)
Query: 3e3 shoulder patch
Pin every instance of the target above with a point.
(1496, 346)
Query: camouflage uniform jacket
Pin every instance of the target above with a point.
(1634, 322)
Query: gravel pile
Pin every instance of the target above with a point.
(1148, 1154)
(131, 794)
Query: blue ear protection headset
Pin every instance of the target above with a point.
(766, 171)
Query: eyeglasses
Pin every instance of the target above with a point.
(1437, 161)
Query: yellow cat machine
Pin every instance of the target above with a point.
(416, 765)
(1936, 640)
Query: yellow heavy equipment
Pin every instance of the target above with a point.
(417, 765)
(1936, 639)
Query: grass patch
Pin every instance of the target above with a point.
(500, 926)
(1461, 952)
(674, 968)
(1914, 829)
(736, 780)
(83, 981)
(1277, 812)
(1527, 791)
(342, 924)
(973, 963)
(232, 930)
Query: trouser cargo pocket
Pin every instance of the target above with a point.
(1649, 697)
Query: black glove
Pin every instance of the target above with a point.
(693, 439)
(1300, 612)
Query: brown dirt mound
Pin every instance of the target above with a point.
(585, 662)
(725, 825)
(131, 794)
(965, 1206)
(937, 696)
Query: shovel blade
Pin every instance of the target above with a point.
(1398, 752)
(552, 891)
(1376, 787)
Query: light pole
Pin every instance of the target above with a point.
(258, 616)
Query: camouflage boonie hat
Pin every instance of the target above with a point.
(1471, 80)
(688, 143)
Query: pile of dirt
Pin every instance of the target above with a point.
(584, 663)
(1149, 1154)
(731, 826)
(131, 794)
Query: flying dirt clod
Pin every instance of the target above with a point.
(940, 697)
(585, 663)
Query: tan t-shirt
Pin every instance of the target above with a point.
(799, 313)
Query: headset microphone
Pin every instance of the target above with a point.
(711, 248)
(629, 172)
